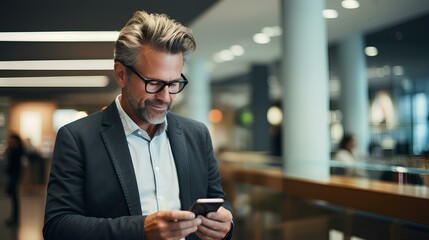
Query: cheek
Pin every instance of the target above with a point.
(137, 93)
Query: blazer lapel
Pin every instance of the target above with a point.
(178, 147)
(116, 144)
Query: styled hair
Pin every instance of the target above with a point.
(156, 30)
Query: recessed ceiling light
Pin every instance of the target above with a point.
(261, 38)
(237, 50)
(371, 51)
(398, 70)
(97, 36)
(330, 13)
(226, 55)
(274, 31)
(350, 4)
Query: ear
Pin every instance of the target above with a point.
(120, 74)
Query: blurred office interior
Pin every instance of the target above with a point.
(277, 82)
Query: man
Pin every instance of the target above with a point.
(14, 153)
(133, 170)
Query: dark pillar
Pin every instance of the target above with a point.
(260, 103)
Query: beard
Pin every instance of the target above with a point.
(141, 110)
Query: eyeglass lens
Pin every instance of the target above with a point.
(155, 86)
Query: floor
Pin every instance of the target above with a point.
(32, 203)
(259, 215)
(31, 220)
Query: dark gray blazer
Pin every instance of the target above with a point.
(92, 190)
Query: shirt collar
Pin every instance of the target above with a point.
(130, 126)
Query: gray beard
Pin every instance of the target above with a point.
(141, 110)
(144, 115)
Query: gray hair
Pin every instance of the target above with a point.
(158, 31)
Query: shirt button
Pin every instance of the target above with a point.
(157, 168)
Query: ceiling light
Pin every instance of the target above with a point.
(398, 70)
(217, 58)
(330, 13)
(97, 36)
(237, 50)
(226, 55)
(350, 4)
(371, 51)
(272, 31)
(261, 38)
(57, 81)
(85, 64)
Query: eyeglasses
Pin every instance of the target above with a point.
(156, 86)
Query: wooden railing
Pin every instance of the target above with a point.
(406, 202)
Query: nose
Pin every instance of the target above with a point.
(164, 95)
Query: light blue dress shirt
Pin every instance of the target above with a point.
(154, 165)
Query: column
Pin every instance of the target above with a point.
(305, 85)
(354, 90)
(198, 91)
(260, 103)
(4, 128)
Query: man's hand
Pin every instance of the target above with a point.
(170, 225)
(215, 225)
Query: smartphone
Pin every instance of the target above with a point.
(203, 206)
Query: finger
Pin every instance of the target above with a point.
(212, 224)
(202, 236)
(179, 234)
(205, 232)
(174, 229)
(181, 229)
(184, 224)
(176, 215)
(222, 215)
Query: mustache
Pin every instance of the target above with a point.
(156, 102)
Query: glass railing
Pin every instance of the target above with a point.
(399, 169)
(392, 170)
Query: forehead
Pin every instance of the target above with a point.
(159, 64)
(150, 54)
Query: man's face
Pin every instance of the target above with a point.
(154, 65)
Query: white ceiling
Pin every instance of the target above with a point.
(231, 22)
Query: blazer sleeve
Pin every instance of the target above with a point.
(65, 212)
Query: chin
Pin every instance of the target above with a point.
(157, 120)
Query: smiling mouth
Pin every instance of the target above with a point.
(160, 108)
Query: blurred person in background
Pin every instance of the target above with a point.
(346, 154)
(36, 163)
(133, 170)
(14, 153)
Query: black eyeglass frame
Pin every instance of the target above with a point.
(147, 81)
